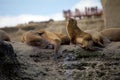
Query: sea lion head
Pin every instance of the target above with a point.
(72, 22)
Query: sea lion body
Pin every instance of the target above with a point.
(97, 37)
(113, 34)
(34, 39)
(77, 36)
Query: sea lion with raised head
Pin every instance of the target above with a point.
(77, 36)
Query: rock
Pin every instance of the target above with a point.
(111, 10)
(36, 63)
(98, 65)
(9, 67)
(74, 63)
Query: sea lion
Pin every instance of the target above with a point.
(77, 36)
(4, 36)
(53, 39)
(45, 39)
(97, 37)
(65, 40)
(113, 34)
(33, 38)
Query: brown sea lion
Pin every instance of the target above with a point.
(53, 39)
(65, 40)
(33, 38)
(44, 39)
(4, 36)
(77, 36)
(113, 34)
(97, 37)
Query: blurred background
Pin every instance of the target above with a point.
(13, 12)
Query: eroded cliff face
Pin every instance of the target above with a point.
(111, 10)
(74, 63)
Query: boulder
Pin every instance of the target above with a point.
(111, 10)
(9, 66)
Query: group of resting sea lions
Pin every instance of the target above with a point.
(86, 39)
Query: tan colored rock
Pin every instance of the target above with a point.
(111, 10)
